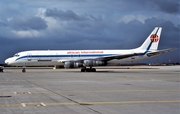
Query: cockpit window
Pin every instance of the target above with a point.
(16, 55)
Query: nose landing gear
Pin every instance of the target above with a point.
(1, 68)
(24, 69)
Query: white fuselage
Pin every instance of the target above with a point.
(57, 57)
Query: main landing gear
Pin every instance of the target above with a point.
(84, 69)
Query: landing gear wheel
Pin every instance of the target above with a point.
(1, 69)
(83, 70)
(23, 70)
(88, 70)
(93, 70)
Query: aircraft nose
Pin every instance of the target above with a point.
(7, 61)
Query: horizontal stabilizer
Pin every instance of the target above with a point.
(150, 54)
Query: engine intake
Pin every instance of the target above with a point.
(72, 64)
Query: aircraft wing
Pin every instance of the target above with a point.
(159, 52)
(108, 58)
(104, 58)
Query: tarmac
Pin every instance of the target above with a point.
(110, 90)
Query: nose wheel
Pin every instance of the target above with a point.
(24, 69)
(1, 69)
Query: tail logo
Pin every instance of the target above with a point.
(154, 38)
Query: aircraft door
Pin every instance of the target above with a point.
(29, 56)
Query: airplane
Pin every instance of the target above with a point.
(88, 58)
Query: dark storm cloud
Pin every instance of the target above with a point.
(69, 15)
(76, 27)
(167, 6)
(26, 23)
(3, 24)
(64, 15)
(30, 23)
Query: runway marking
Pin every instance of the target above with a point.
(87, 91)
(22, 92)
(98, 79)
(133, 102)
(43, 104)
(23, 104)
(106, 91)
(88, 103)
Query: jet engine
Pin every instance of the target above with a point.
(93, 63)
(72, 64)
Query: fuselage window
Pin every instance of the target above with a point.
(16, 55)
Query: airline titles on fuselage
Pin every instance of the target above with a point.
(85, 52)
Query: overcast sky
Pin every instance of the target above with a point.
(87, 24)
